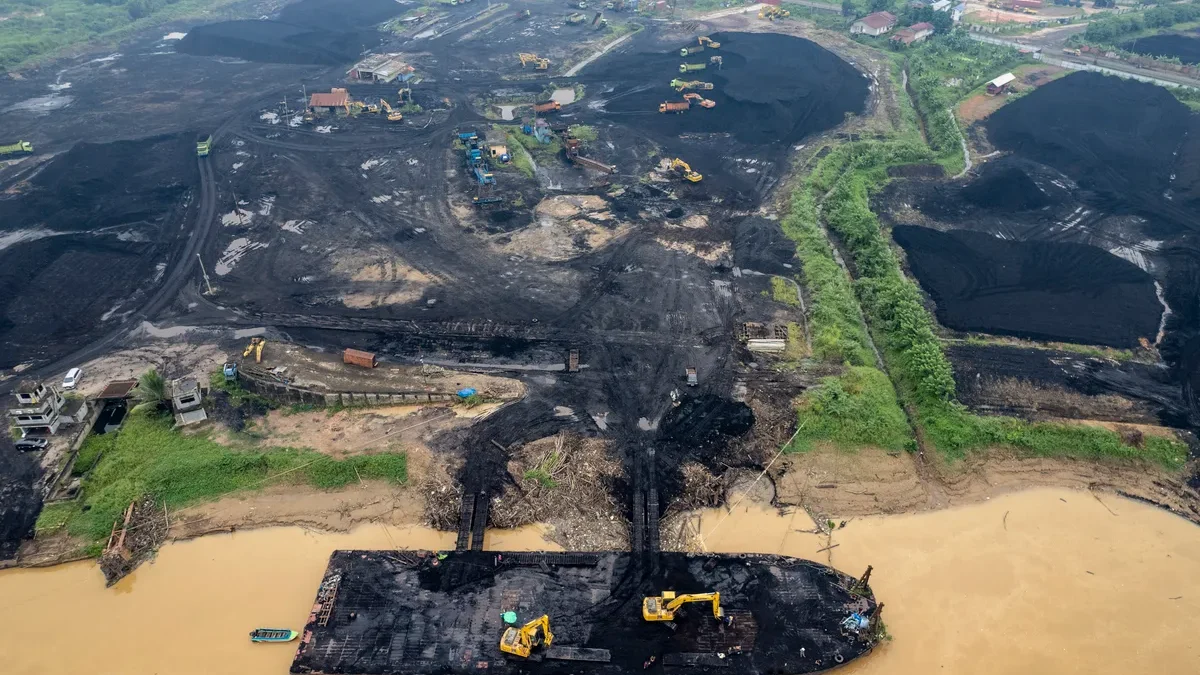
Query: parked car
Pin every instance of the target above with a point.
(73, 377)
(29, 444)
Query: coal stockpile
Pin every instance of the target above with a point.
(417, 612)
(1005, 188)
(1116, 138)
(1182, 47)
(19, 502)
(770, 88)
(1037, 290)
(89, 231)
(272, 42)
(316, 32)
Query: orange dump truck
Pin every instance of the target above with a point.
(548, 106)
(359, 358)
(673, 106)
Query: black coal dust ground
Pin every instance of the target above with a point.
(1186, 48)
(362, 233)
(1070, 236)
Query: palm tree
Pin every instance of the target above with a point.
(152, 387)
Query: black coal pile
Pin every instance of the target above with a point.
(770, 88)
(1182, 47)
(1005, 188)
(19, 503)
(90, 229)
(1117, 138)
(318, 32)
(1033, 289)
(760, 245)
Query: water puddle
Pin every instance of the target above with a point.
(506, 111)
(563, 96)
(1045, 581)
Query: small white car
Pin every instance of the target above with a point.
(72, 379)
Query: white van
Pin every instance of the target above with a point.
(73, 377)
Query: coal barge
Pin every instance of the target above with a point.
(418, 612)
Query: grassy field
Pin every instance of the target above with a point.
(148, 456)
(36, 29)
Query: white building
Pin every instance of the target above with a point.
(874, 24)
(41, 410)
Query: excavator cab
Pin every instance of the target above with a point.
(521, 641)
(663, 607)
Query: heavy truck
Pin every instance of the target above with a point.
(18, 148)
(203, 145)
(690, 67)
(548, 106)
(674, 106)
(688, 51)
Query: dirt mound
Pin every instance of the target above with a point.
(1039, 290)
(1115, 137)
(770, 88)
(1182, 47)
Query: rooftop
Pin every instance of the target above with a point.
(118, 389)
(1003, 80)
(338, 98)
(879, 19)
(28, 387)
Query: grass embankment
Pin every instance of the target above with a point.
(905, 332)
(1114, 28)
(148, 456)
(941, 73)
(34, 29)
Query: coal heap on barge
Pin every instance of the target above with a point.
(409, 612)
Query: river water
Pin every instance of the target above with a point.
(1046, 581)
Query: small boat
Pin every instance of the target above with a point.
(273, 635)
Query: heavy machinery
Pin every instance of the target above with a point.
(679, 85)
(468, 136)
(24, 147)
(663, 607)
(717, 60)
(548, 106)
(772, 12)
(538, 62)
(688, 51)
(682, 169)
(256, 347)
(689, 67)
(697, 98)
(521, 641)
(523, 14)
(230, 370)
(392, 115)
(572, 146)
(577, 18)
(708, 42)
(673, 106)
(203, 145)
(615, 5)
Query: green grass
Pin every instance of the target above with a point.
(237, 395)
(782, 291)
(537, 148)
(541, 477)
(520, 157)
(583, 132)
(54, 517)
(853, 410)
(93, 447)
(27, 37)
(147, 456)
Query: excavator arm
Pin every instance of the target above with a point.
(663, 607)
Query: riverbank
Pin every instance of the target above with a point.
(969, 589)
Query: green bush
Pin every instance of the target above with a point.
(855, 409)
(148, 456)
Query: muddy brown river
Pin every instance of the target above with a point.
(1046, 581)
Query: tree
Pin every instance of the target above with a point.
(847, 8)
(880, 5)
(942, 22)
(152, 387)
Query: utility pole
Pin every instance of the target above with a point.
(205, 273)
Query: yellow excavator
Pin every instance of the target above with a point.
(538, 62)
(772, 12)
(663, 607)
(392, 115)
(256, 346)
(521, 641)
(706, 41)
(683, 169)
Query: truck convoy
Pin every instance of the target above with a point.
(20, 147)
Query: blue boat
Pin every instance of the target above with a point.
(273, 635)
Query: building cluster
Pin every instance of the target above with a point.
(882, 23)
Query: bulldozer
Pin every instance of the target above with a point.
(772, 12)
(392, 115)
(538, 62)
(521, 641)
(684, 170)
(697, 98)
(256, 347)
(663, 607)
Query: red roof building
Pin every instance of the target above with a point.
(914, 33)
(874, 24)
(336, 98)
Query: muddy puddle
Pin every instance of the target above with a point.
(1040, 581)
